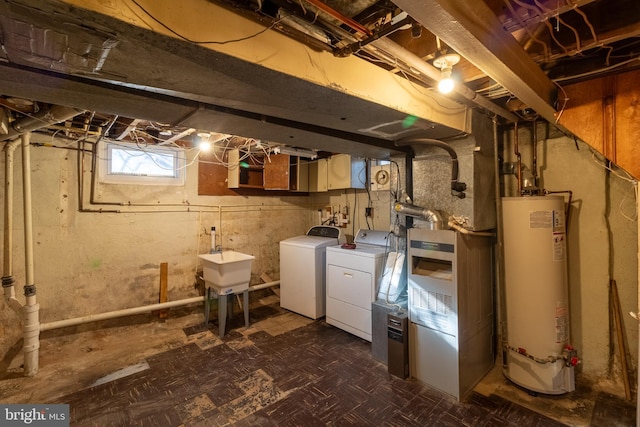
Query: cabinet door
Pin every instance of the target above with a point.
(318, 175)
(299, 175)
(276, 172)
(346, 171)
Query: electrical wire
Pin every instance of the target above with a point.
(545, 47)
(606, 164)
(561, 21)
(577, 9)
(544, 20)
(601, 70)
(217, 42)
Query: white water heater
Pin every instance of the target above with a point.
(536, 352)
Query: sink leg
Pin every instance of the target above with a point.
(207, 306)
(222, 314)
(246, 307)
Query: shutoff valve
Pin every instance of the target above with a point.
(570, 356)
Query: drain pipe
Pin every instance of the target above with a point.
(30, 311)
(45, 117)
(118, 313)
(136, 310)
(7, 279)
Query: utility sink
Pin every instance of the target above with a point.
(228, 272)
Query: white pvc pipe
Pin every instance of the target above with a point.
(463, 230)
(264, 285)
(8, 206)
(28, 214)
(9, 291)
(135, 310)
(118, 313)
(30, 316)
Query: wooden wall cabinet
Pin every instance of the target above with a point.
(243, 174)
(318, 176)
(276, 172)
(285, 172)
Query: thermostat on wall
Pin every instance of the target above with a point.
(380, 178)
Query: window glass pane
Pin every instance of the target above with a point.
(136, 162)
(122, 163)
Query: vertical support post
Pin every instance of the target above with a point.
(164, 278)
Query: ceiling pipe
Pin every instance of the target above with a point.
(428, 70)
(43, 118)
(383, 32)
(340, 17)
(415, 62)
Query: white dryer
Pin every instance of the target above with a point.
(353, 276)
(302, 270)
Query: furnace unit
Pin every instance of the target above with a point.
(451, 330)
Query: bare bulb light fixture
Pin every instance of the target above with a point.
(446, 63)
(204, 144)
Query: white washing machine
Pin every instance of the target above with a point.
(302, 270)
(352, 279)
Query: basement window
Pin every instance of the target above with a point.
(123, 163)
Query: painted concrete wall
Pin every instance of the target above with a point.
(356, 202)
(602, 245)
(96, 262)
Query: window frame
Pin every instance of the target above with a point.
(106, 175)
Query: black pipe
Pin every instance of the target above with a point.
(355, 47)
(457, 187)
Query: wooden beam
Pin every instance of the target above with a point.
(164, 279)
(474, 31)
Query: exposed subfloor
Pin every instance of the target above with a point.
(284, 370)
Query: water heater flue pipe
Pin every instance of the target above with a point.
(457, 187)
(434, 217)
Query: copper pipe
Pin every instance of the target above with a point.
(518, 158)
(340, 17)
(534, 148)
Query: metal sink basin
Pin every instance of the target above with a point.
(227, 271)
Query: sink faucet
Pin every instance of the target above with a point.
(216, 250)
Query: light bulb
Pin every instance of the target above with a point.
(446, 63)
(204, 146)
(446, 85)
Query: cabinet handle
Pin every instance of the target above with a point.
(347, 274)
